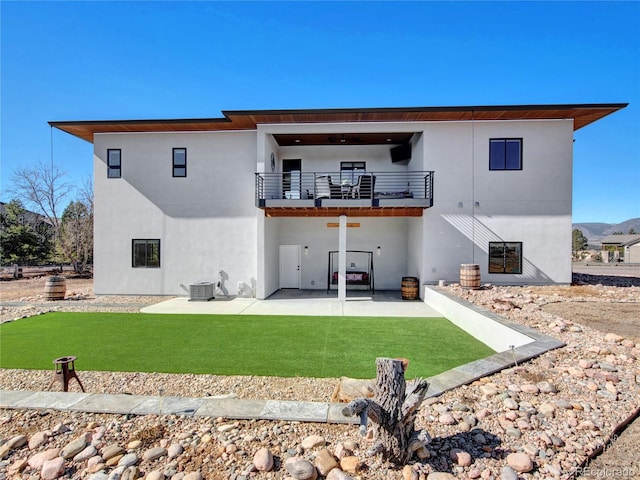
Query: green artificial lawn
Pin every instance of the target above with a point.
(284, 346)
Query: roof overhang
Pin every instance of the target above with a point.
(582, 115)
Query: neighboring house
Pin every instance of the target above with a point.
(34, 219)
(621, 248)
(258, 199)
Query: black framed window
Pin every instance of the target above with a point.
(505, 257)
(505, 154)
(114, 163)
(145, 253)
(179, 162)
(350, 171)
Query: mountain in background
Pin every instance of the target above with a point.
(595, 232)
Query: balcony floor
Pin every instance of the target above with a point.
(368, 211)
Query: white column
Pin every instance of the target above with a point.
(342, 259)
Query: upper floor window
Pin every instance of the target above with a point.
(145, 254)
(179, 162)
(350, 171)
(505, 257)
(505, 154)
(114, 163)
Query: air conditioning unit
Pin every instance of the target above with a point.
(201, 292)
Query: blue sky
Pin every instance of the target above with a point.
(139, 60)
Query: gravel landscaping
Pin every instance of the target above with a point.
(540, 419)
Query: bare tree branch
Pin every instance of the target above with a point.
(43, 189)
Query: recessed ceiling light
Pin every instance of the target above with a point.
(388, 139)
(297, 140)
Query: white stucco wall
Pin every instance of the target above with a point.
(474, 206)
(390, 263)
(206, 222)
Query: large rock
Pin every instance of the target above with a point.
(530, 388)
(4, 451)
(89, 452)
(38, 459)
(409, 473)
(337, 474)
(174, 450)
(300, 469)
(116, 474)
(154, 453)
(99, 476)
(612, 337)
(461, 457)
(350, 464)
(17, 466)
(155, 475)
(263, 460)
(131, 473)
(508, 473)
(37, 440)
(520, 462)
(128, 460)
(52, 469)
(440, 476)
(73, 448)
(111, 451)
(547, 409)
(193, 476)
(349, 389)
(547, 387)
(489, 389)
(133, 444)
(325, 461)
(313, 441)
(17, 441)
(447, 419)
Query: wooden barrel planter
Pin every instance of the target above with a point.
(470, 276)
(55, 288)
(410, 288)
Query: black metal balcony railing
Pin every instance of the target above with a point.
(325, 188)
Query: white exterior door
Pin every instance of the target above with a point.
(289, 266)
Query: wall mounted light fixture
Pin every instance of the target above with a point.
(379, 250)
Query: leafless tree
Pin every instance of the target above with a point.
(77, 227)
(43, 189)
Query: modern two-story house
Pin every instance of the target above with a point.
(334, 199)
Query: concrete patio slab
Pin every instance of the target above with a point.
(305, 303)
(182, 305)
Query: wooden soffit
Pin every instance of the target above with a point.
(349, 212)
(582, 115)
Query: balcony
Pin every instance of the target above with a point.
(350, 193)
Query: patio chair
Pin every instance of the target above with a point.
(323, 186)
(364, 187)
(326, 189)
(336, 190)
